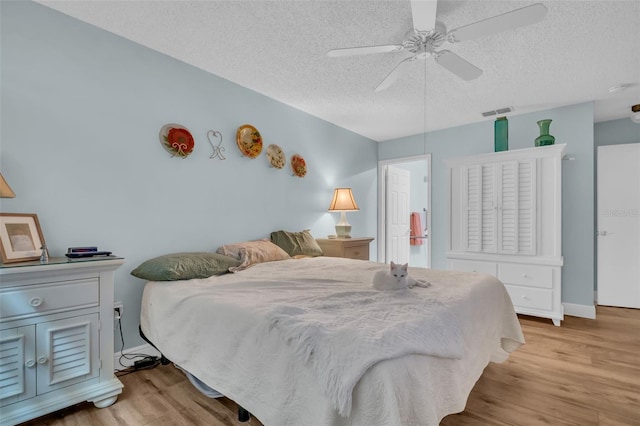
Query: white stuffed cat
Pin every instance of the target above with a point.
(396, 278)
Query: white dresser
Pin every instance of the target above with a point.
(506, 220)
(56, 336)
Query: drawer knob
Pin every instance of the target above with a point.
(525, 297)
(30, 363)
(35, 301)
(525, 276)
(42, 360)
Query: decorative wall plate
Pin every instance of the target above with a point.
(249, 141)
(275, 155)
(176, 140)
(298, 165)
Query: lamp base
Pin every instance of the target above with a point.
(343, 231)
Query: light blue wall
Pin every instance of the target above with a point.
(572, 125)
(616, 132)
(81, 110)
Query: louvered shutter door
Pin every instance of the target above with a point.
(16, 346)
(516, 208)
(11, 366)
(527, 207)
(66, 352)
(508, 207)
(489, 219)
(472, 193)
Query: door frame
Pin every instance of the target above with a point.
(382, 203)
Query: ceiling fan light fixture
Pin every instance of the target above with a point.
(635, 117)
(428, 34)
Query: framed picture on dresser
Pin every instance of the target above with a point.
(21, 237)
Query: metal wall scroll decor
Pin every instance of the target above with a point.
(217, 149)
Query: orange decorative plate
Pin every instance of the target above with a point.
(298, 165)
(249, 141)
(176, 140)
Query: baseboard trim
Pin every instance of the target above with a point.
(134, 354)
(582, 311)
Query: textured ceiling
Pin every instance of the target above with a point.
(278, 48)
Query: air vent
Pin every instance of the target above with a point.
(497, 111)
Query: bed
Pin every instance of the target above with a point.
(310, 342)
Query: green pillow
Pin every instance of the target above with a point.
(296, 243)
(184, 266)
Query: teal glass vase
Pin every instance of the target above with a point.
(501, 134)
(545, 138)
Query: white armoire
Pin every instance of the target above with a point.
(505, 219)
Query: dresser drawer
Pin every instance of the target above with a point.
(351, 248)
(358, 252)
(490, 268)
(46, 298)
(527, 297)
(529, 275)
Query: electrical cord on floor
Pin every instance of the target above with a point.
(140, 361)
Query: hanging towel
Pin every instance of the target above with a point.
(416, 230)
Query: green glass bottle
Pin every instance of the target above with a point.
(545, 138)
(501, 134)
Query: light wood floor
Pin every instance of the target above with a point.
(586, 372)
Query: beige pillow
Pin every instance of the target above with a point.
(251, 252)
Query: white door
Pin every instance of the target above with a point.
(398, 215)
(619, 225)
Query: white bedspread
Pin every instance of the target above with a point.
(310, 341)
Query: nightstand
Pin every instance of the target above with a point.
(56, 336)
(352, 248)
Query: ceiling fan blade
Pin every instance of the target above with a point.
(392, 77)
(366, 50)
(460, 67)
(424, 14)
(507, 21)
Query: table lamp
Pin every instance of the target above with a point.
(5, 189)
(343, 202)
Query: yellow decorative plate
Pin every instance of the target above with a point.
(249, 141)
(275, 155)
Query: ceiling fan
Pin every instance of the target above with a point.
(428, 35)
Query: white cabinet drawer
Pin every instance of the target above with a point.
(534, 298)
(47, 298)
(529, 275)
(490, 268)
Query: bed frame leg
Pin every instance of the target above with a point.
(243, 415)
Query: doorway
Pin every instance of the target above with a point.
(416, 241)
(618, 215)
